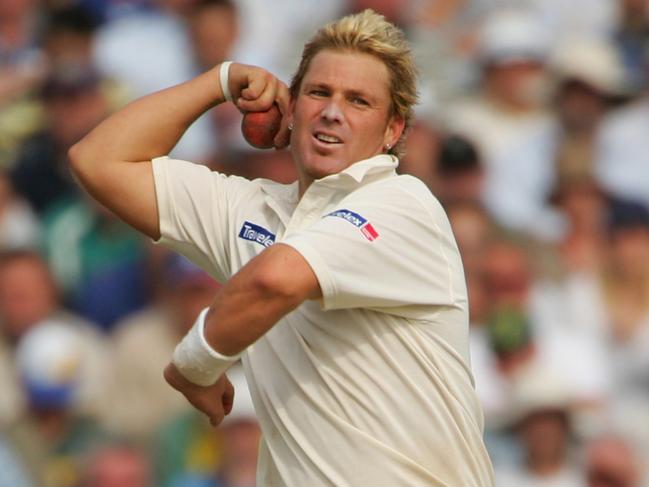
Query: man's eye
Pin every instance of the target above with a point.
(318, 93)
(359, 101)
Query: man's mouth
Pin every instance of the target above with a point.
(327, 138)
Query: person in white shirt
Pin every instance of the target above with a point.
(508, 121)
(542, 418)
(344, 292)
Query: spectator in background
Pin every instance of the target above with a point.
(28, 296)
(584, 205)
(460, 171)
(214, 30)
(51, 436)
(611, 461)
(443, 34)
(98, 261)
(617, 297)
(240, 453)
(74, 103)
(542, 404)
(625, 288)
(20, 58)
(473, 229)
(68, 37)
(571, 301)
(520, 332)
(150, 50)
(503, 343)
(626, 279)
(508, 120)
(510, 286)
(610, 307)
(22, 68)
(621, 165)
(117, 465)
(27, 293)
(589, 77)
(141, 400)
(590, 80)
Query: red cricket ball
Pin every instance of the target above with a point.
(260, 128)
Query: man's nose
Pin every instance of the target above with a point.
(332, 111)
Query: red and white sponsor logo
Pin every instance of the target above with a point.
(370, 232)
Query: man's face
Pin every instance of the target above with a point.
(519, 85)
(27, 295)
(341, 114)
(214, 30)
(72, 116)
(545, 435)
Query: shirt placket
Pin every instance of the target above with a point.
(311, 206)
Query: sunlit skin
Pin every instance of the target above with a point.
(344, 96)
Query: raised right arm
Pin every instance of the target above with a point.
(113, 162)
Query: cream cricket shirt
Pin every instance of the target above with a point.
(370, 387)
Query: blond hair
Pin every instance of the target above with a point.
(369, 33)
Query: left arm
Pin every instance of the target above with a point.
(268, 287)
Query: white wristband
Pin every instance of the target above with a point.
(224, 78)
(196, 360)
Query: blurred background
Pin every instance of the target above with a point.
(533, 131)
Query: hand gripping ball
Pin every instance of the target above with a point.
(260, 128)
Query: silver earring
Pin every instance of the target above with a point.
(290, 126)
(388, 147)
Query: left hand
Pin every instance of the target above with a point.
(215, 401)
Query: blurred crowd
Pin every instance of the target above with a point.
(532, 130)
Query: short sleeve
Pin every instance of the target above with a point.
(194, 206)
(385, 249)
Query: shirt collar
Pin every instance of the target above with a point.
(374, 165)
(357, 171)
(285, 192)
(283, 198)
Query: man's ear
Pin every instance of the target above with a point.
(393, 131)
(291, 109)
(283, 137)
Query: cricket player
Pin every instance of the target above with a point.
(344, 292)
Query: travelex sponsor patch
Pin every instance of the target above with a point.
(255, 233)
(366, 228)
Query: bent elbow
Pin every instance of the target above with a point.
(76, 158)
(286, 276)
(84, 165)
(275, 285)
